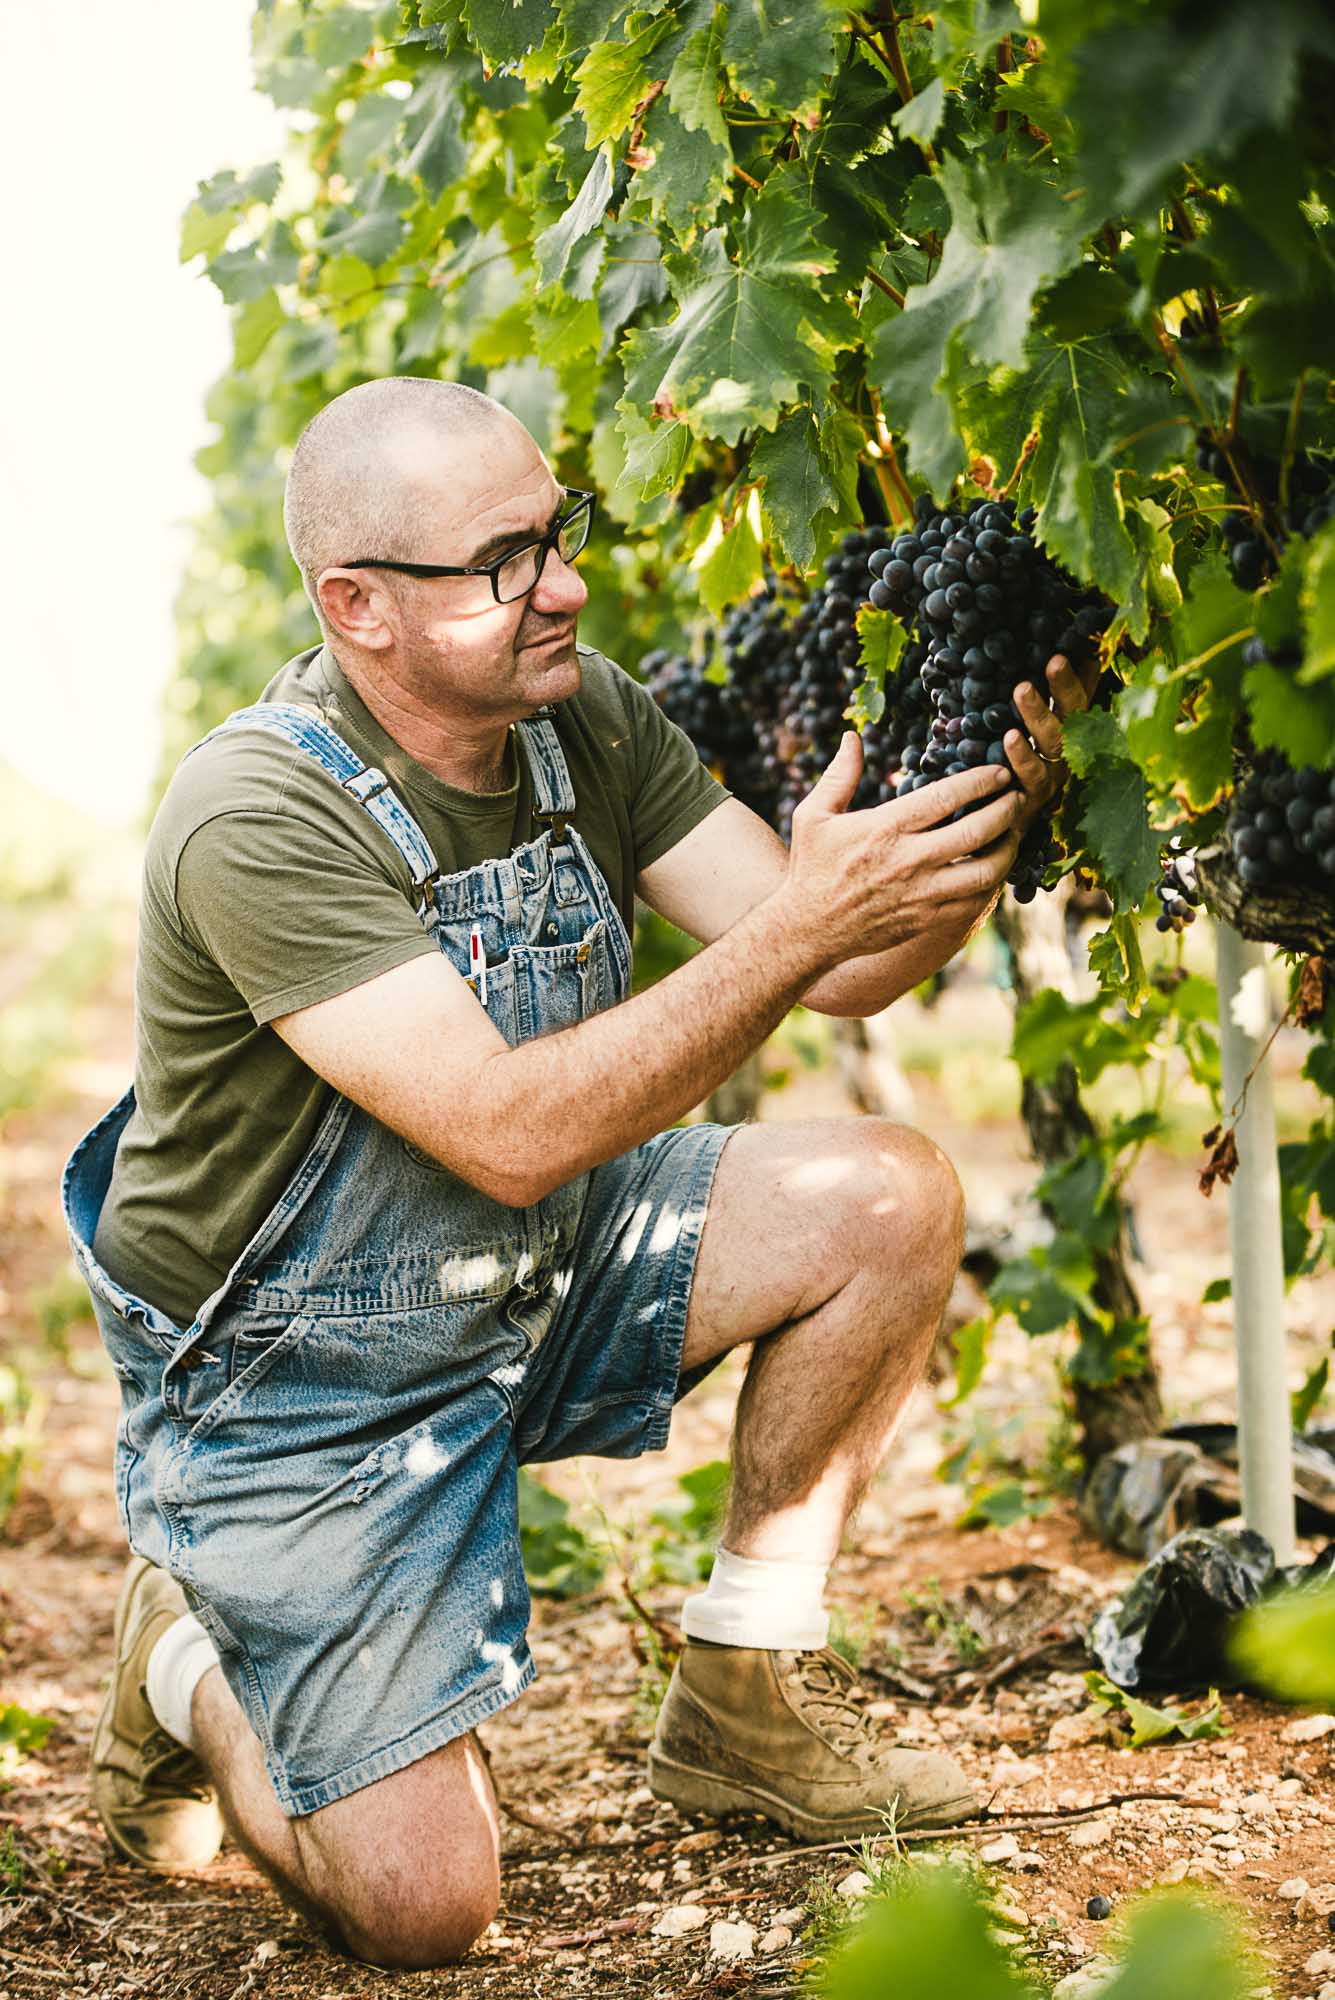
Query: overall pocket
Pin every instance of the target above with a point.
(560, 985)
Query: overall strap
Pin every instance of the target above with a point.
(369, 786)
(555, 795)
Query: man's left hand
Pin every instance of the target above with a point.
(1039, 765)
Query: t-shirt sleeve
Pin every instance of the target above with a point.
(672, 790)
(294, 903)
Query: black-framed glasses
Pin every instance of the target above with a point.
(514, 574)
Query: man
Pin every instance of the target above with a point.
(395, 1204)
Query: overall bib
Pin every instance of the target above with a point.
(327, 1457)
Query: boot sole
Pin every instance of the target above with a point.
(695, 1791)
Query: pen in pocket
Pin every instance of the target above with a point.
(477, 962)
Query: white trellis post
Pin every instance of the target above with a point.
(1265, 1449)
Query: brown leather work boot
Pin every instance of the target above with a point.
(152, 1794)
(783, 1734)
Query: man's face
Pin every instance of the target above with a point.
(453, 640)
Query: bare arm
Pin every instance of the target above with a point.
(519, 1122)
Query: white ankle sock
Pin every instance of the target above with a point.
(176, 1666)
(769, 1605)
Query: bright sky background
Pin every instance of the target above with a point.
(107, 346)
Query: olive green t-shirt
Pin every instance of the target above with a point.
(267, 888)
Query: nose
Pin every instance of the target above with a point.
(560, 588)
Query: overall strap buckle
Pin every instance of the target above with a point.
(557, 822)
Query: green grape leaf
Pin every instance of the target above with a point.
(655, 458)
(1060, 407)
(797, 483)
(1047, 1289)
(219, 205)
(750, 330)
(1137, 91)
(254, 327)
(1287, 1644)
(612, 78)
(1116, 961)
(552, 250)
(731, 560)
(921, 117)
(633, 275)
(970, 1344)
(1180, 733)
(505, 30)
(1009, 236)
(1285, 716)
(1115, 811)
(1316, 599)
(695, 83)
(881, 639)
(687, 173)
(1087, 300)
(343, 34)
(370, 225)
(365, 138)
(563, 327)
(432, 131)
(585, 22)
(1306, 1400)
(1280, 338)
(777, 51)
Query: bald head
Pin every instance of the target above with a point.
(366, 469)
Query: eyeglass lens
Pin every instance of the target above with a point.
(518, 576)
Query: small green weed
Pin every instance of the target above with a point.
(21, 1733)
(560, 1560)
(849, 1639)
(13, 1870)
(22, 1413)
(1149, 1724)
(939, 1621)
(685, 1528)
(59, 1305)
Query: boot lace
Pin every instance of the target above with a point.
(171, 1769)
(830, 1698)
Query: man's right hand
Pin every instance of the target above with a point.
(866, 881)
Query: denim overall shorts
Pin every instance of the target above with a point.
(327, 1458)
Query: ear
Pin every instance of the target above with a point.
(358, 607)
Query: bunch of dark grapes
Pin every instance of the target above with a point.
(826, 668)
(717, 723)
(1281, 825)
(1252, 541)
(1177, 890)
(989, 610)
(757, 640)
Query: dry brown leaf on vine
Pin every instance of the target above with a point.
(1223, 1161)
(1309, 1004)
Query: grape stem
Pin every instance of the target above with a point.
(1291, 438)
(890, 459)
(889, 290)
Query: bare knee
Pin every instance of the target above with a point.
(429, 1929)
(406, 1873)
(917, 1200)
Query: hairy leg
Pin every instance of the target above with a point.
(832, 1246)
(404, 1873)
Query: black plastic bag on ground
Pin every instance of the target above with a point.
(1170, 1628)
(1142, 1494)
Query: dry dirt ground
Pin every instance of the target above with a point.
(993, 1656)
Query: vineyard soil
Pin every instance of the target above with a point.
(592, 1860)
